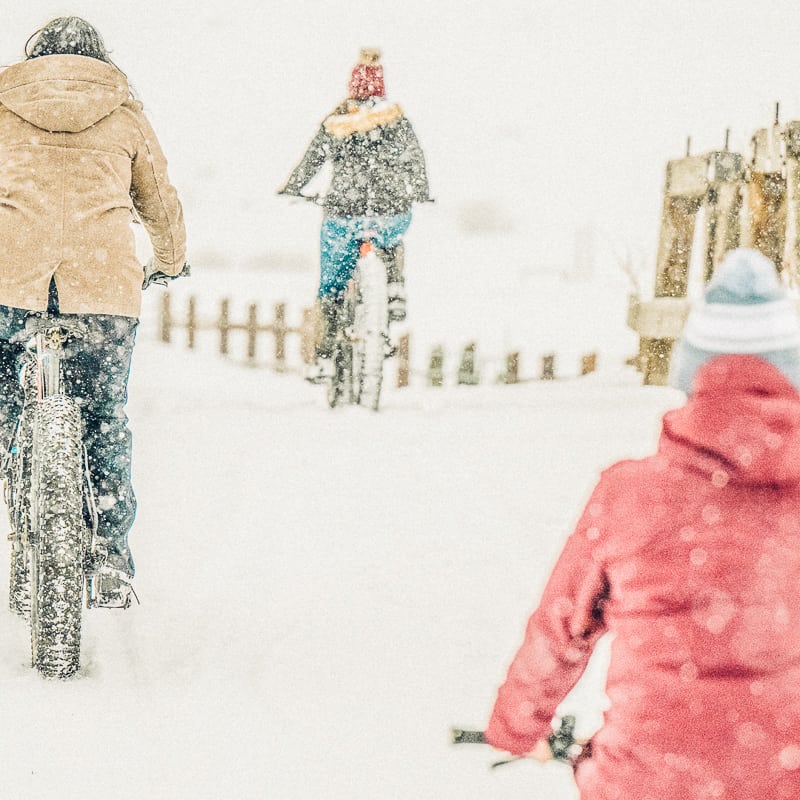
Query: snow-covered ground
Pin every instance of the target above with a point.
(324, 593)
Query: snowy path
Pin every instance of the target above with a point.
(323, 593)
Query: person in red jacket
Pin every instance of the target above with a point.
(691, 559)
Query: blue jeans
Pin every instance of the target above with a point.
(339, 241)
(96, 373)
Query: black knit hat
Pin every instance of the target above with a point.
(67, 36)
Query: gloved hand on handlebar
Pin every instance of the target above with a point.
(152, 274)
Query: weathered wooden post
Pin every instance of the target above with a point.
(166, 318)
(279, 331)
(224, 326)
(726, 175)
(403, 366)
(791, 135)
(191, 322)
(588, 363)
(436, 368)
(511, 375)
(685, 189)
(252, 333)
(766, 194)
(467, 373)
(548, 367)
(308, 335)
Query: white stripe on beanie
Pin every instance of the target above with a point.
(735, 328)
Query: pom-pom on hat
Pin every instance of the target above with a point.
(366, 79)
(746, 309)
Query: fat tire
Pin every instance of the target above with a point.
(370, 331)
(59, 538)
(19, 583)
(18, 500)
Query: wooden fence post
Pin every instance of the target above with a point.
(436, 369)
(252, 333)
(166, 317)
(279, 331)
(224, 325)
(191, 322)
(308, 335)
(588, 363)
(512, 369)
(548, 367)
(467, 374)
(403, 368)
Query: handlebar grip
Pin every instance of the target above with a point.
(467, 737)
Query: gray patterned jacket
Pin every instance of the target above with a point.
(378, 165)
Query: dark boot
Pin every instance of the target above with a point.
(328, 314)
(322, 368)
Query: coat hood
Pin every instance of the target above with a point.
(63, 92)
(741, 424)
(361, 117)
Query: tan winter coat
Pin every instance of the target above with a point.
(77, 155)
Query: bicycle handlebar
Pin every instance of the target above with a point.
(316, 199)
(563, 744)
(162, 279)
(319, 200)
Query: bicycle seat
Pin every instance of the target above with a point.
(43, 322)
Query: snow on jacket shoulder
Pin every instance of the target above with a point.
(76, 156)
(378, 165)
(691, 558)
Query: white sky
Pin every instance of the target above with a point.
(558, 114)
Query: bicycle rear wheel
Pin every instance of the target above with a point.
(18, 497)
(19, 583)
(18, 502)
(370, 331)
(59, 533)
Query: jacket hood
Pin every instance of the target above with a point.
(741, 424)
(361, 117)
(64, 92)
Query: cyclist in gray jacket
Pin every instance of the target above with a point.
(378, 173)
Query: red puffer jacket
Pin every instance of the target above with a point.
(691, 558)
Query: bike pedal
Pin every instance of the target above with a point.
(95, 558)
(110, 588)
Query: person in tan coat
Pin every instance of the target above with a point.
(78, 162)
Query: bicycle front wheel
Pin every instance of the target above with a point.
(58, 532)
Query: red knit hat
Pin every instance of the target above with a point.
(366, 80)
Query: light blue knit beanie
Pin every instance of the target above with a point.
(745, 309)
